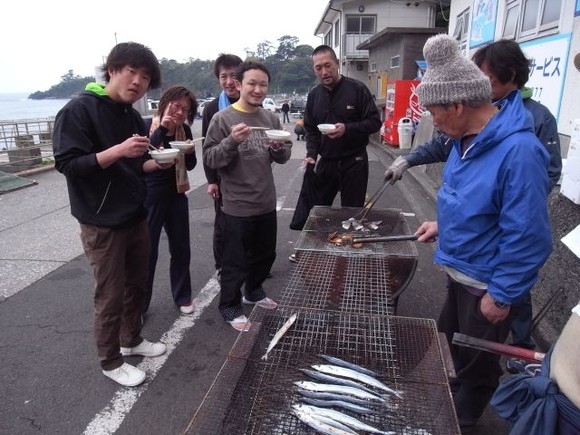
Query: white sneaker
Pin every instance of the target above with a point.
(187, 309)
(126, 375)
(266, 303)
(145, 348)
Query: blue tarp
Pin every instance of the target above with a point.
(534, 405)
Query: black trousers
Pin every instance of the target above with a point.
(349, 176)
(478, 371)
(171, 213)
(218, 233)
(249, 252)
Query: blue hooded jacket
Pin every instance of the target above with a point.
(492, 208)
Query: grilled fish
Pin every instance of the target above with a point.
(340, 389)
(338, 404)
(358, 376)
(323, 377)
(322, 424)
(321, 395)
(342, 418)
(279, 334)
(342, 363)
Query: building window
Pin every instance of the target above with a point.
(337, 32)
(395, 61)
(511, 20)
(462, 29)
(373, 66)
(328, 38)
(528, 19)
(360, 24)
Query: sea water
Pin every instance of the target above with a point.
(18, 106)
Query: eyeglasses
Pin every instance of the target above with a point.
(177, 107)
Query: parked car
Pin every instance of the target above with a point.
(270, 104)
(200, 107)
(297, 107)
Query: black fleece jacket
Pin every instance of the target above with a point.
(350, 103)
(111, 197)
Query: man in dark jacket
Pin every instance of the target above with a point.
(348, 105)
(99, 145)
(508, 69)
(225, 71)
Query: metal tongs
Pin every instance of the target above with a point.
(357, 220)
(350, 239)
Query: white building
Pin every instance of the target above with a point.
(547, 30)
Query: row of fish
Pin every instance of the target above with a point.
(341, 384)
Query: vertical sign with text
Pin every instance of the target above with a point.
(549, 58)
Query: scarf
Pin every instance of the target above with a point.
(181, 178)
(223, 101)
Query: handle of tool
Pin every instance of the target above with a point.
(498, 348)
(383, 239)
(371, 202)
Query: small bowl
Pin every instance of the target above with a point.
(280, 135)
(181, 145)
(166, 155)
(325, 128)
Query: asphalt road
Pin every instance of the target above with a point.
(50, 381)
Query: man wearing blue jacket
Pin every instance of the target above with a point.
(508, 69)
(492, 218)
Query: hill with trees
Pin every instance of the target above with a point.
(289, 63)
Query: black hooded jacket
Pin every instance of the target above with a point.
(111, 197)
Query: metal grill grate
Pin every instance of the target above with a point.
(253, 396)
(356, 284)
(323, 221)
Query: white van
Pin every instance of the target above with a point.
(270, 105)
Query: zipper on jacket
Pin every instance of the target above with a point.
(104, 197)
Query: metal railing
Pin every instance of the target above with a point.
(25, 144)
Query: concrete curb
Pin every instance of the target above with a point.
(33, 171)
(418, 173)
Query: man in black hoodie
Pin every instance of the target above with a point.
(99, 144)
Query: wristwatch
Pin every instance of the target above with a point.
(501, 305)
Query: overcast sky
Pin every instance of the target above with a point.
(43, 39)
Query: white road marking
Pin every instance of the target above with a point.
(110, 418)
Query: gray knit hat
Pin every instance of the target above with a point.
(450, 77)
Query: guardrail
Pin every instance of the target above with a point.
(25, 144)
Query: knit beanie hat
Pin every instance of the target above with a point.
(450, 77)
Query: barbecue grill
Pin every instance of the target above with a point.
(324, 221)
(253, 396)
(345, 299)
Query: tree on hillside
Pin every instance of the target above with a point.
(286, 47)
(70, 86)
(264, 50)
(289, 64)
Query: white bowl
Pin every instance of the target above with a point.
(166, 155)
(181, 145)
(325, 128)
(277, 134)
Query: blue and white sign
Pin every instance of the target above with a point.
(483, 22)
(549, 58)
